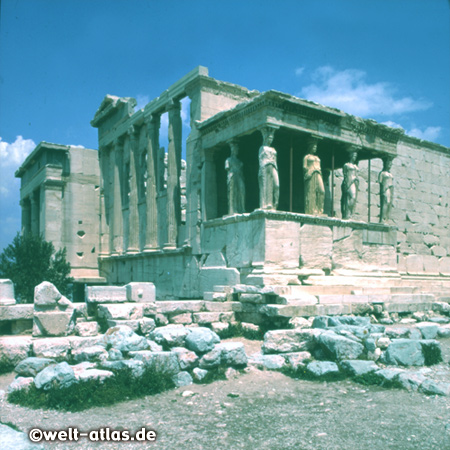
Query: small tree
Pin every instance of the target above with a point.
(29, 261)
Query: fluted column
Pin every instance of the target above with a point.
(117, 219)
(133, 217)
(173, 175)
(151, 231)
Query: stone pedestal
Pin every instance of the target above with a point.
(7, 292)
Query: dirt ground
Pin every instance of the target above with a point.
(261, 410)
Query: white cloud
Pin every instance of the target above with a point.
(348, 90)
(429, 134)
(299, 71)
(13, 155)
(389, 123)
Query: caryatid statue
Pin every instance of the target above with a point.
(350, 186)
(314, 188)
(386, 180)
(269, 186)
(235, 181)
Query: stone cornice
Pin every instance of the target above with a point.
(297, 217)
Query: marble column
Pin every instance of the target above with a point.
(173, 175)
(133, 217)
(151, 230)
(117, 215)
(269, 185)
(104, 199)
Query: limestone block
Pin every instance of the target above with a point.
(410, 381)
(252, 298)
(124, 311)
(316, 247)
(146, 325)
(282, 244)
(137, 367)
(87, 329)
(227, 317)
(203, 318)
(431, 240)
(46, 294)
(55, 348)
(77, 342)
(211, 276)
(54, 323)
(444, 267)
(320, 369)
(357, 368)
(183, 318)
(133, 324)
(438, 251)
(14, 350)
(6, 292)
(170, 335)
(179, 306)
(18, 312)
(216, 306)
(150, 309)
(140, 292)
(219, 327)
(186, 359)
(431, 264)
(414, 264)
(431, 387)
(339, 347)
(215, 259)
(404, 352)
(287, 341)
(106, 294)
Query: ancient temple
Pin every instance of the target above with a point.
(279, 190)
(59, 197)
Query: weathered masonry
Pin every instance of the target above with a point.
(279, 191)
(59, 197)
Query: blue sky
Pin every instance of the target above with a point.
(383, 59)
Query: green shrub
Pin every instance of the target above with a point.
(29, 261)
(90, 393)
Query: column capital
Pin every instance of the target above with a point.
(173, 105)
(312, 142)
(268, 133)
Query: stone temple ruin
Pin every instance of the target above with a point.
(282, 210)
(276, 194)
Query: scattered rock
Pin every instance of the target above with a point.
(199, 374)
(357, 368)
(182, 379)
(123, 338)
(339, 347)
(428, 330)
(404, 352)
(269, 362)
(201, 340)
(288, 341)
(232, 353)
(20, 383)
(431, 387)
(410, 380)
(31, 366)
(297, 360)
(56, 375)
(170, 335)
(319, 369)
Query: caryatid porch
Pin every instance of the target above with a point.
(271, 137)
